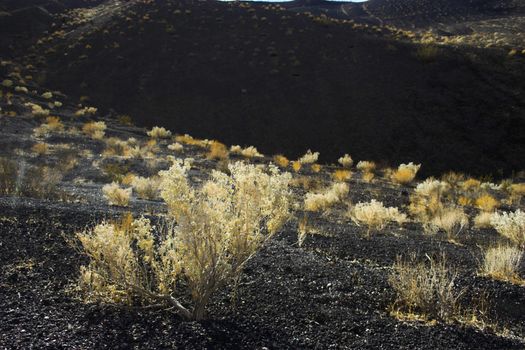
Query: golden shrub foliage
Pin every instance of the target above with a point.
(327, 198)
(248, 152)
(296, 166)
(315, 168)
(219, 227)
(217, 151)
(375, 215)
(281, 160)
(116, 195)
(486, 203)
(309, 157)
(342, 175)
(159, 133)
(405, 173)
(95, 130)
(346, 161)
(40, 148)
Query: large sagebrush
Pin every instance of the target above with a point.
(217, 229)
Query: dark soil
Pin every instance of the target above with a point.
(289, 298)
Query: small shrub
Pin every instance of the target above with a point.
(296, 166)
(248, 152)
(366, 166)
(51, 125)
(342, 175)
(486, 203)
(346, 161)
(47, 95)
(146, 188)
(327, 198)
(125, 120)
(427, 200)
(425, 289)
(159, 133)
(95, 130)
(374, 215)
(309, 157)
(281, 161)
(40, 148)
(517, 191)
(451, 220)
(117, 147)
(116, 195)
(510, 225)
(86, 111)
(189, 140)
(315, 168)
(217, 151)
(471, 185)
(405, 173)
(482, 220)
(37, 110)
(176, 147)
(502, 263)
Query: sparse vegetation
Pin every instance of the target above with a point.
(405, 173)
(146, 188)
(510, 225)
(159, 133)
(502, 262)
(374, 215)
(327, 198)
(346, 161)
(309, 157)
(116, 195)
(95, 130)
(426, 290)
(248, 152)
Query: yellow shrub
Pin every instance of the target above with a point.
(37, 110)
(40, 148)
(296, 166)
(464, 201)
(281, 160)
(486, 203)
(189, 140)
(315, 168)
(95, 130)
(342, 175)
(367, 177)
(471, 185)
(482, 220)
(405, 173)
(217, 151)
(116, 195)
(86, 111)
(52, 124)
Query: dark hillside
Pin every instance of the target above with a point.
(284, 82)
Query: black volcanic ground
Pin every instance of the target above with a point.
(284, 82)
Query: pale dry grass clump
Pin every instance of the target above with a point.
(482, 220)
(51, 125)
(218, 151)
(95, 130)
(502, 263)
(346, 161)
(116, 195)
(159, 133)
(450, 220)
(40, 148)
(426, 290)
(190, 140)
(427, 200)
(375, 215)
(281, 160)
(510, 225)
(405, 173)
(146, 188)
(309, 157)
(248, 152)
(176, 147)
(326, 198)
(86, 111)
(117, 147)
(37, 110)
